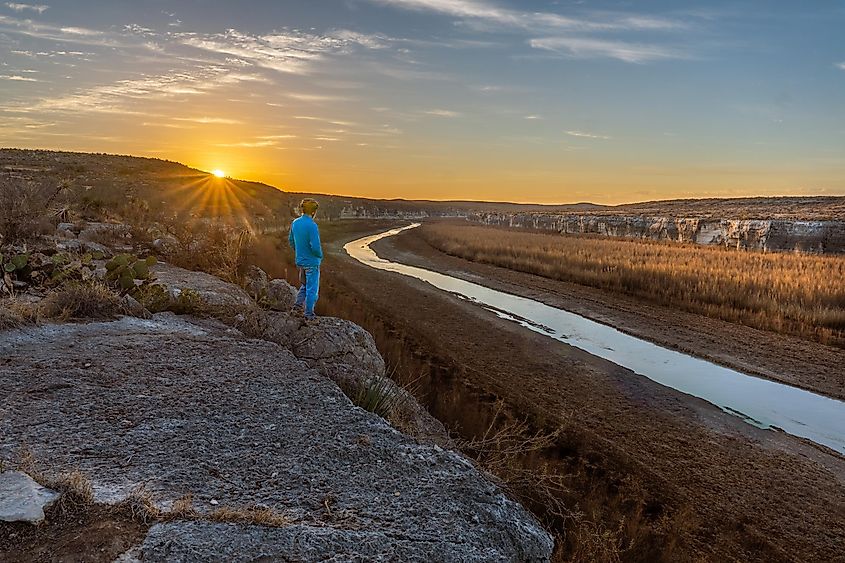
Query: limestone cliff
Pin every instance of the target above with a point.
(759, 234)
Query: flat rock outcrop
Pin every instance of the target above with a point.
(22, 499)
(212, 290)
(178, 406)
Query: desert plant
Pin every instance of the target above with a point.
(81, 301)
(188, 302)
(379, 395)
(153, 297)
(24, 208)
(16, 263)
(124, 269)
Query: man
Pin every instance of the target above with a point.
(305, 240)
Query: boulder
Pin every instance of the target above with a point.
(96, 231)
(281, 295)
(212, 290)
(22, 499)
(340, 349)
(347, 354)
(182, 406)
(166, 244)
(133, 307)
(256, 282)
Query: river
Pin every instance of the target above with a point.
(761, 402)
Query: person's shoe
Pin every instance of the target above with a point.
(297, 311)
(310, 319)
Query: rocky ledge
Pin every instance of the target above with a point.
(778, 234)
(181, 409)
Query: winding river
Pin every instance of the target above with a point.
(761, 402)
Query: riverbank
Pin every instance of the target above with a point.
(669, 476)
(794, 361)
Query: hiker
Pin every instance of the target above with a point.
(305, 240)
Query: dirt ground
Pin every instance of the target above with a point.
(682, 480)
(99, 533)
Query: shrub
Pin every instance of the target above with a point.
(24, 208)
(82, 301)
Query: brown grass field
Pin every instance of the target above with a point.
(793, 294)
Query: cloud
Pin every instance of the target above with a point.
(588, 135)
(491, 14)
(283, 51)
(580, 47)
(120, 96)
(533, 117)
(442, 113)
(17, 78)
(68, 34)
(210, 120)
(840, 66)
(318, 98)
(248, 144)
(40, 8)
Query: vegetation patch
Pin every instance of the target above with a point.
(802, 295)
(82, 301)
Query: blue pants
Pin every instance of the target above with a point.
(309, 291)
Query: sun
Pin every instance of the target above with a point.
(219, 173)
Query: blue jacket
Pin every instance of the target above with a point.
(304, 238)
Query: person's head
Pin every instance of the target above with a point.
(308, 206)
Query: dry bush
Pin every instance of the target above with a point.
(81, 301)
(215, 249)
(25, 208)
(786, 293)
(76, 492)
(9, 319)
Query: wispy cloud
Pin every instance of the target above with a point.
(587, 135)
(121, 96)
(40, 8)
(282, 51)
(249, 144)
(17, 78)
(532, 117)
(840, 66)
(589, 48)
(210, 120)
(442, 113)
(67, 34)
(486, 11)
(574, 36)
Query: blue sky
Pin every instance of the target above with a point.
(548, 101)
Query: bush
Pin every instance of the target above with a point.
(24, 209)
(82, 301)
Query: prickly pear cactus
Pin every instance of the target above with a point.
(15, 263)
(124, 269)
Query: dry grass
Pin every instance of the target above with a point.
(785, 293)
(215, 249)
(81, 301)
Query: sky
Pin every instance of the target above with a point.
(500, 100)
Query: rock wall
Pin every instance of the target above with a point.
(376, 212)
(802, 236)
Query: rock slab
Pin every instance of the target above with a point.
(22, 499)
(181, 406)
